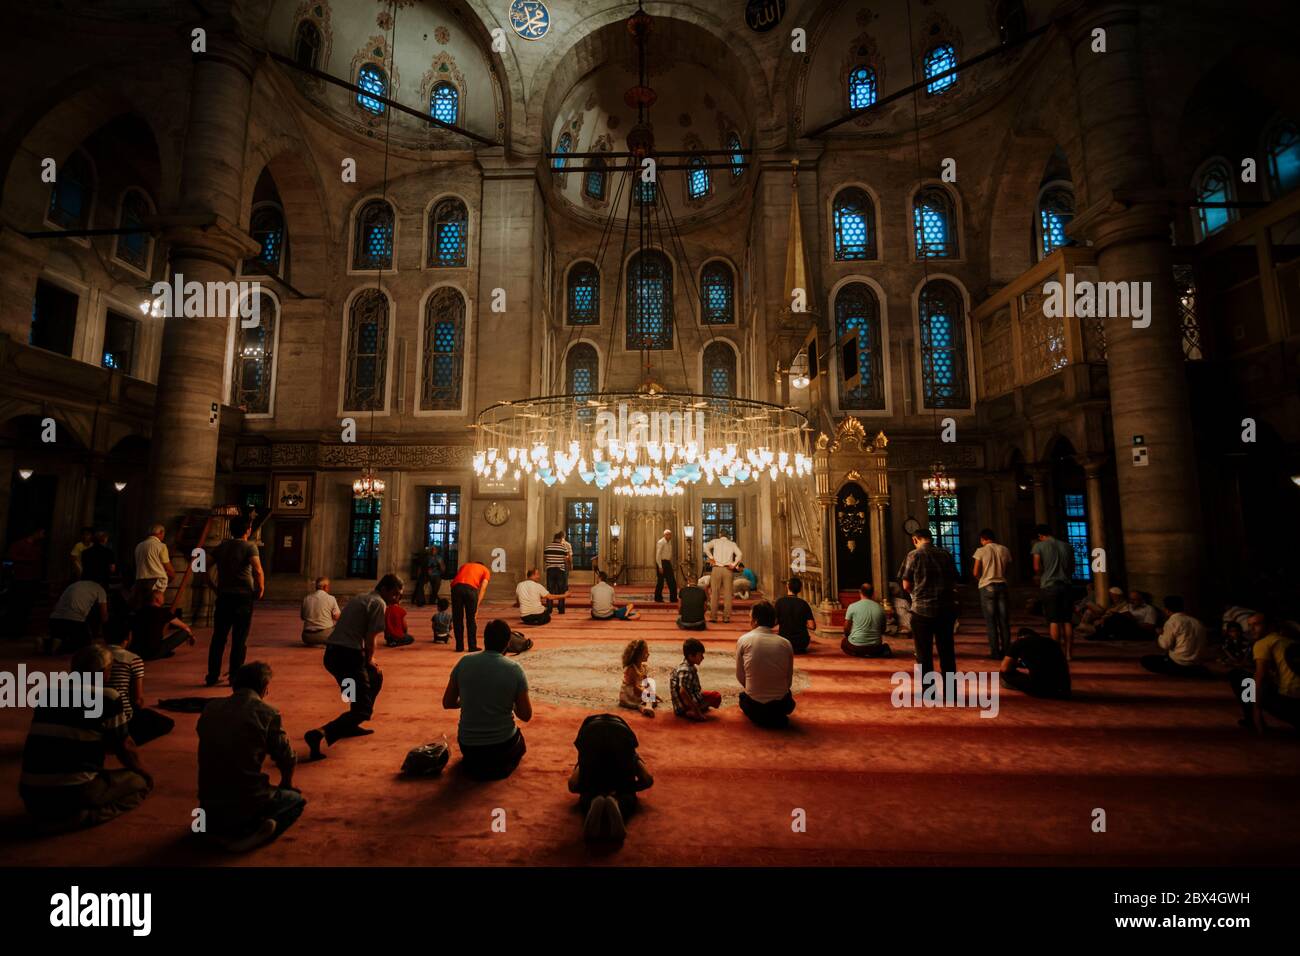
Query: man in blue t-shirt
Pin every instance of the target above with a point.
(490, 691)
(864, 625)
(1054, 565)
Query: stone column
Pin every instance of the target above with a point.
(23, 258)
(205, 246)
(1128, 220)
(1097, 528)
(1038, 482)
(879, 577)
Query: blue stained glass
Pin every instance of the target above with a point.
(444, 103)
(940, 60)
(717, 292)
(563, 146)
(645, 192)
(1053, 231)
(1284, 158)
(649, 298)
(862, 87)
(372, 80)
(583, 368)
(1076, 533)
(857, 311)
(945, 524)
(737, 157)
(720, 370)
(1214, 188)
(584, 295)
(111, 360)
(594, 184)
(1056, 209)
(451, 243)
(933, 229)
(943, 347)
(854, 225)
(374, 242)
(699, 179)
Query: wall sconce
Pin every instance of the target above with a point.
(615, 530)
(25, 473)
(119, 485)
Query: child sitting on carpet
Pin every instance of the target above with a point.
(688, 700)
(442, 622)
(395, 633)
(638, 690)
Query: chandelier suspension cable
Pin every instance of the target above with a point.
(619, 290)
(675, 233)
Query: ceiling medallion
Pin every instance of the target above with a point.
(530, 19)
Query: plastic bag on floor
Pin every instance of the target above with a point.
(427, 760)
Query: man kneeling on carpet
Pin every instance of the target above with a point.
(490, 691)
(1036, 665)
(603, 607)
(608, 776)
(236, 735)
(534, 599)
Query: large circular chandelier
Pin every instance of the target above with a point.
(647, 443)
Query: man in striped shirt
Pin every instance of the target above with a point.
(64, 784)
(127, 678)
(559, 561)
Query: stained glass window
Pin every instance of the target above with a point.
(1214, 186)
(444, 102)
(1055, 210)
(854, 216)
(945, 524)
(939, 60)
(367, 358)
(862, 87)
(363, 538)
(582, 530)
(717, 518)
(944, 379)
(373, 241)
(72, 194)
(250, 379)
(442, 525)
(649, 301)
(267, 228)
(307, 45)
(1076, 534)
(646, 191)
(697, 178)
(857, 310)
(582, 369)
(593, 183)
(737, 157)
(444, 349)
(563, 146)
(720, 370)
(1283, 148)
(119, 342)
(936, 235)
(584, 294)
(372, 79)
(448, 234)
(717, 290)
(134, 248)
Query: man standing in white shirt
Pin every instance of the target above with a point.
(535, 600)
(1183, 641)
(153, 565)
(664, 568)
(765, 668)
(724, 556)
(319, 613)
(991, 563)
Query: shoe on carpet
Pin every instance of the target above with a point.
(209, 682)
(604, 822)
(255, 839)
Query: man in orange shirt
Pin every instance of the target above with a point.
(467, 589)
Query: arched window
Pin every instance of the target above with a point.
(1283, 150)
(584, 295)
(718, 294)
(720, 370)
(862, 87)
(582, 369)
(444, 102)
(1055, 210)
(936, 233)
(593, 183)
(373, 80)
(367, 352)
(649, 301)
(646, 191)
(448, 234)
(136, 248)
(254, 361)
(1214, 185)
(444, 349)
(944, 382)
(373, 238)
(697, 178)
(939, 60)
(737, 155)
(267, 227)
(72, 194)
(857, 311)
(1011, 19)
(307, 45)
(854, 216)
(563, 146)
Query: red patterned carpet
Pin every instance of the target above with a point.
(1179, 782)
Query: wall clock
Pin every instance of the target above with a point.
(496, 514)
(530, 19)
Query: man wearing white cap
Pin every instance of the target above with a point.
(664, 568)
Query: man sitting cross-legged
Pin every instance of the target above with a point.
(236, 734)
(534, 599)
(603, 607)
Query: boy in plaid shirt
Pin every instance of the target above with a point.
(688, 700)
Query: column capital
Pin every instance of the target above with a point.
(225, 47)
(1122, 216)
(1092, 465)
(208, 236)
